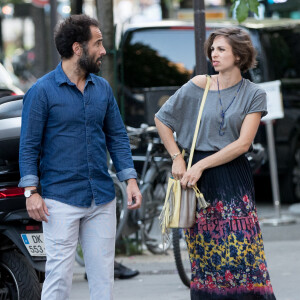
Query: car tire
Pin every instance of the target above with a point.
(19, 276)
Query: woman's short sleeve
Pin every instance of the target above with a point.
(259, 103)
(170, 113)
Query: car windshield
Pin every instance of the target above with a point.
(150, 61)
(282, 52)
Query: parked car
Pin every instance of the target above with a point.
(156, 59)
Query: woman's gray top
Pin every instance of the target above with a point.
(180, 113)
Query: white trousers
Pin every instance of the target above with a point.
(95, 227)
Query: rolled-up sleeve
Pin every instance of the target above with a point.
(34, 116)
(127, 174)
(29, 180)
(117, 141)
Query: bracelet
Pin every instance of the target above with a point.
(175, 155)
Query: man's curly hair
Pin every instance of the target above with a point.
(76, 28)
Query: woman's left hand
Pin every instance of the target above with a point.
(191, 176)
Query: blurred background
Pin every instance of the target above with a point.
(26, 26)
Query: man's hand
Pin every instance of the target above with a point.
(37, 208)
(134, 195)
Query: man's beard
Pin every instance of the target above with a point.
(87, 63)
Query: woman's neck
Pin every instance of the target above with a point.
(228, 79)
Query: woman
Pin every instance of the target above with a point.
(225, 245)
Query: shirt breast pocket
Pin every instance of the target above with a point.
(97, 112)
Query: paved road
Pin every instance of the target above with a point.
(159, 281)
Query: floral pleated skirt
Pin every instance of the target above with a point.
(225, 245)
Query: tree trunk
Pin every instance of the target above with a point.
(186, 4)
(164, 9)
(41, 47)
(105, 17)
(76, 7)
(1, 42)
(53, 21)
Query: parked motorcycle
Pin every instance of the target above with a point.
(22, 251)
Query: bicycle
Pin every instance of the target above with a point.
(153, 184)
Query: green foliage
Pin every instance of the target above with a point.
(243, 7)
(129, 246)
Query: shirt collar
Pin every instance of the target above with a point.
(62, 78)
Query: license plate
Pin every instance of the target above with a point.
(34, 243)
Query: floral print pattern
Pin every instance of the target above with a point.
(225, 245)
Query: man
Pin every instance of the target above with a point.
(70, 118)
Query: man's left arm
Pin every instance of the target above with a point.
(119, 149)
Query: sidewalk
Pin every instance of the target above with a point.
(158, 279)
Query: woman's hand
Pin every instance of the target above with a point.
(191, 176)
(178, 167)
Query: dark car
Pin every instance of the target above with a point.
(156, 59)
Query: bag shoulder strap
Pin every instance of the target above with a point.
(198, 121)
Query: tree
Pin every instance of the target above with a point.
(76, 7)
(105, 17)
(242, 8)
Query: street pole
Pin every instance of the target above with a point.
(53, 22)
(279, 219)
(200, 35)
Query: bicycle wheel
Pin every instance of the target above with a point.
(121, 205)
(181, 256)
(154, 192)
(121, 214)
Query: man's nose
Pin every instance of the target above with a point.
(103, 51)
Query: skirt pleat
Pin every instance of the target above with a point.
(225, 245)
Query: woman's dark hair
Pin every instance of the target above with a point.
(241, 44)
(76, 28)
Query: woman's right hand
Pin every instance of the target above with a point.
(178, 167)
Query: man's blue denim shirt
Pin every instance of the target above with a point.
(70, 133)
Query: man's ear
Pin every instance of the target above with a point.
(77, 48)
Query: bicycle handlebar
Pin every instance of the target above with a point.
(143, 129)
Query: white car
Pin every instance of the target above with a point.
(7, 86)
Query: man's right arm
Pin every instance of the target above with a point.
(34, 117)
